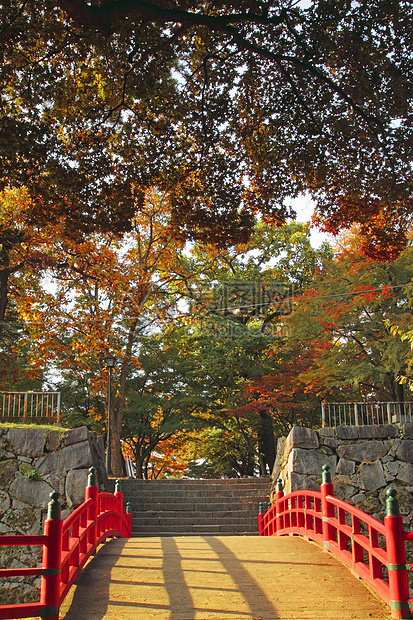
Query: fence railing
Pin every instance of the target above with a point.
(366, 413)
(373, 551)
(67, 545)
(29, 405)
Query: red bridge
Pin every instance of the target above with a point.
(282, 574)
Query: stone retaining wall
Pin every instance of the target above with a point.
(364, 461)
(33, 463)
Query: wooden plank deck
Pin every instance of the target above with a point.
(218, 578)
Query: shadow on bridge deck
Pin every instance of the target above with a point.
(218, 578)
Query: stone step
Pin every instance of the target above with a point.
(193, 507)
(178, 530)
(146, 519)
(200, 495)
(194, 504)
(210, 508)
(151, 487)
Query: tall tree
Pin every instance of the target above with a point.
(345, 315)
(241, 302)
(105, 295)
(232, 109)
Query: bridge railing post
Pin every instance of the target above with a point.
(129, 514)
(51, 563)
(396, 558)
(327, 509)
(92, 492)
(279, 494)
(261, 512)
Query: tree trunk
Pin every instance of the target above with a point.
(117, 462)
(4, 277)
(267, 441)
(139, 466)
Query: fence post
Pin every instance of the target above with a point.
(327, 510)
(323, 414)
(51, 564)
(261, 512)
(396, 558)
(279, 493)
(91, 492)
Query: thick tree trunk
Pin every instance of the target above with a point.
(117, 462)
(4, 278)
(267, 441)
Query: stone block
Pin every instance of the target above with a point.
(299, 482)
(379, 431)
(363, 451)
(53, 440)
(405, 473)
(57, 482)
(22, 519)
(76, 482)
(27, 442)
(279, 459)
(347, 432)
(371, 476)
(391, 470)
(326, 450)
(76, 456)
(33, 492)
(344, 488)
(8, 470)
(404, 452)
(300, 437)
(360, 497)
(408, 430)
(76, 435)
(395, 446)
(330, 442)
(99, 445)
(4, 501)
(345, 467)
(309, 462)
(327, 431)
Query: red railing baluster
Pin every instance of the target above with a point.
(51, 565)
(396, 558)
(327, 509)
(92, 492)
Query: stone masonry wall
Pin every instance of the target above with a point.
(33, 463)
(364, 462)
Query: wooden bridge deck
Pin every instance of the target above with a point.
(219, 578)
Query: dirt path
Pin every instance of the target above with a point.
(218, 578)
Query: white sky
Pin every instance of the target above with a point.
(304, 207)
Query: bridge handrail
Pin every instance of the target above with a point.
(67, 546)
(373, 551)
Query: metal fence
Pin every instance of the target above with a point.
(366, 413)
(28, 405)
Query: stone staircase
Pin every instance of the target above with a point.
(195, 507)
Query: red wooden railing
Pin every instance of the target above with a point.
(67, 546)
(373, 551)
